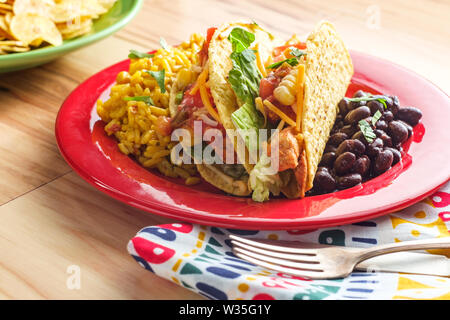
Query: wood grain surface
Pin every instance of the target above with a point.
(51, 219)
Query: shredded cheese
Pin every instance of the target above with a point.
(260, 108)
(300, 86)
(280, 113)
(259, 62)
(280, 125)
(201, 79)
(205, 99)
(269, 61)
(201, 85)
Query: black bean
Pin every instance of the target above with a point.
(375, 106)
(349, 129)
(361, 165)
(340, 124)
(324, 180)
(349, 180)
(359, 94)
(388, 102)
(410, 115)
(337, 138)
(344, 163)
(387, 141)
(343, 106)
(382, 125)
(357, 114)
(397, 155)
(328, 159)
(374, 148)
(383, 161)
(360, 136)
(408, 127)
(353, 145)
(378, 132)
(329, 148)
(395, 105)
(398, 132)
(322, 168)
(388, 116)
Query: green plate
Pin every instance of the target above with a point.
(117, 17)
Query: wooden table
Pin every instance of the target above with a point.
(51, 219)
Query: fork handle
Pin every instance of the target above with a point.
(438, 243)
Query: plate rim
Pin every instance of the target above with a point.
(219, 220)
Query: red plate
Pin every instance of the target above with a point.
(425, 167)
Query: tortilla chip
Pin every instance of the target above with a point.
(329, 69)
(29, 28)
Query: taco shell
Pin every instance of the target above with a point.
(328, 72)
(220, 65)
(216, 177)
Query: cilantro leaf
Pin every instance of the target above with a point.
(159, 76)
(134, 54)
(380, 98)
(179, 97)
(376, 117)
(291, 61)
(297, 52)
(367, 131)
(146, 99)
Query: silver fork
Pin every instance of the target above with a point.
(319, 261)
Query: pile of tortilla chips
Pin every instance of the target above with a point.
(28, 24)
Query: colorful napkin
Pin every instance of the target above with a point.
(200, 259)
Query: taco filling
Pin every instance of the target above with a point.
(301, 84)
(192, 104)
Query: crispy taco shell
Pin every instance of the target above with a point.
(213, 175)
(328, 71)
(220, 65)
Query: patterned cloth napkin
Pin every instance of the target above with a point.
(199, 258)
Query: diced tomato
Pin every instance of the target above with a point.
(279, 50)
(204, 51)
(195, 100)
(209, 34)
(163, 126)
(190, 100)
(113, 128)
(267, 86)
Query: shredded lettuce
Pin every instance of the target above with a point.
(244, 79)
(262, 180)
(248, 121)
(240, 39)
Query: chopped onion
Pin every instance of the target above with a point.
(208, 120)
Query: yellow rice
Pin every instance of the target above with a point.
(133, 123)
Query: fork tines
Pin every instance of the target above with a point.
(296, 261)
